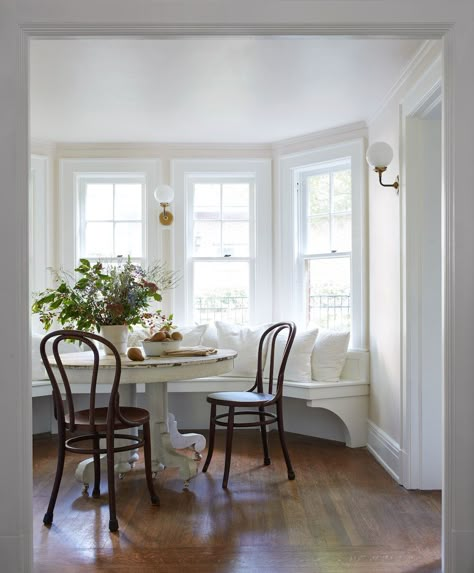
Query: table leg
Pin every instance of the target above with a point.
(124, 461)
(181, 441)
(163, 451)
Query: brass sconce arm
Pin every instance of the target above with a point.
(395, 184)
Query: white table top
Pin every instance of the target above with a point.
(156, 369)
(85, 359)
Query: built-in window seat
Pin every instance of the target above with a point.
(347, 398)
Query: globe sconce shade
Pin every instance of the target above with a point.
(379, 155)
(164, 194)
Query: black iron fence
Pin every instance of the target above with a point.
(225, 308)
(330, 310)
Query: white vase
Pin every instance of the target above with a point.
(117, 335)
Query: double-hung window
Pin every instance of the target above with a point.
(108, 211)
(326, 243)
(111, 218)
(322, 270)
(221, 248)
(223, 242)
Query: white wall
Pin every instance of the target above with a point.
(384, 267)
(453, 17)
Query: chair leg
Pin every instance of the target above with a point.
(228, 446)
(96, 490)
(113, 523)
(48, 516)
(263, 431)
(212, 435)
(281, 432)
(155, 500)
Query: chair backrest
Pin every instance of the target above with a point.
(88, 339)
(275, 343)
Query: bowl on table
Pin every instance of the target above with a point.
(160, 348)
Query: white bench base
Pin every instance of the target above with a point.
(348, 398)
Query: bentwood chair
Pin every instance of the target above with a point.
(256, 398)
(93, 424)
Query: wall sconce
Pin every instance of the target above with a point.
(164, 194)
(379, 155)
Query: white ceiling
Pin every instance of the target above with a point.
(220, 89)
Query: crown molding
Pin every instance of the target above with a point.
(42, 146)
(418, 30)
(332, 136)
(429, 49)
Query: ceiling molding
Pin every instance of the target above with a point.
(331, 136)
(421, 30)
(429, 48)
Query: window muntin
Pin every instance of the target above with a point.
(111, 218)
(221, 249)
(326, 243)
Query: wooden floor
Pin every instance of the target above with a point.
(342, 514)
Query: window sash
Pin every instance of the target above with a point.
(111, 179)
(306, 254)
(225, 258)
(330, 214)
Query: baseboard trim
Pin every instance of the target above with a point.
(384, 449)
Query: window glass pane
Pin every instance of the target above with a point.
(207, 201)
(99, 202)
(342, 189)
(207, 239)
(99, 240)
(221, 292)
(235, 239)
(328, 282)
(128, 239)
(128, 201)
(318, 235)
(317, 187)
(341, 233)
(235, 201)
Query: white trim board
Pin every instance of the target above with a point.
(384, 449)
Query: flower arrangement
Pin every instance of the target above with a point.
(104, 295)
(158, 322)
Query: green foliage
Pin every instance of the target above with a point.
(158, 321)
(103, 295)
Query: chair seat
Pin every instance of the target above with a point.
(239, 398)
(136, 416)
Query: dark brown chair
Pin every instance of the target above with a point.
(256, 397)
(94, 423)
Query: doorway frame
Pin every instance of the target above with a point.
(427, 92)
(422, 31)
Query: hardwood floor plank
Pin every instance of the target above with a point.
(342, 514)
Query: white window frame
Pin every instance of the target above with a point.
(85, 179)
(184, 173)
(73, 173)
(289, 239)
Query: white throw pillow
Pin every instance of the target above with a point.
(136, 335)
(329, 355)
(210, 336)
(298, 367)
(192, 335)
(244, 340)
